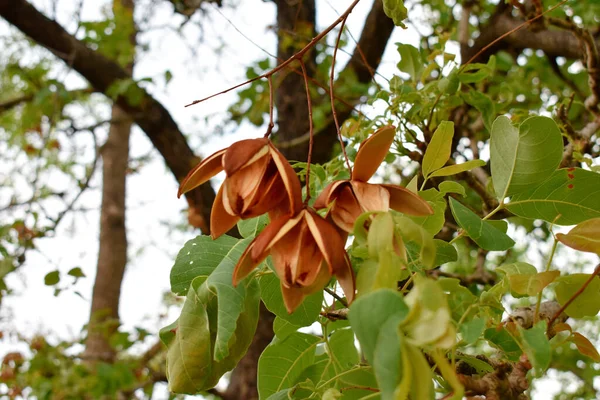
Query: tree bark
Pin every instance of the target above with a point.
(295, 28)
(112, 253)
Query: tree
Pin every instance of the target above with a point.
(490, 137)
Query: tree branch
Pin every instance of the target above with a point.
(101, 72)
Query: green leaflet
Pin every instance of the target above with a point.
(523, 157)
(458, 168)
(215, 327)
(396, 10)
(304, 315)
(483, 233)
(283, 361)
(537, 346)
(567, 197)
(411, 61)
(586, 304)
(198, 257)
(252, 227)
(438, 149)
(373, 310)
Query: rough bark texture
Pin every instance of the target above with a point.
(102, 72)
(295, 28)
(112, 253)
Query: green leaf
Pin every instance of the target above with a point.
(568, 197)
(369, 312)
(480, 366)
(502, 340)
(584, 237)
(476, 72)
(524, 157)
(342, 349)
(411, 61)
(517, 268)
(532, 284)
(52, 278)
(452, 187)
(484, 234)
(395, 10)
(483, 104)
(587, 304)
(283, 328)
(252, 227)
(210, 338)
(438, 149)
(198, 257)
(304, 315)
(444, 252)
(435, 222)
(460, 299)
(472, 330)
(413, 232)
(422, 377)
(458, 168)
(537, 346)
(387, 357)
(76, 272)
(282, 362)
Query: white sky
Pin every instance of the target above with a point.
(151, 195)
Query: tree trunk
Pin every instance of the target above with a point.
(295, 28)
(112, 254)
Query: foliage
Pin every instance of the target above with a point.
(432, 278)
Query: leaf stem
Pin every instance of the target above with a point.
(331, 95)
(539, 297)
(575, 295)
(311, 130)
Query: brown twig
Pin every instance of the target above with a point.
(336, 296)
(296, 56)
(271, 106)
(575, 295)
(311, 130)
(499, 38)
(331, 90)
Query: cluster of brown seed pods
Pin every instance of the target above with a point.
(306, 249)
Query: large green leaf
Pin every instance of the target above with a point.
(198, 257)
(586, 304)
(387, 357)
(342, 349)
(368, 313)
(304, 315)
(283, 361)
(524, 157)
(486, 236)
(567, 197)
(438, 149)
(214, 330)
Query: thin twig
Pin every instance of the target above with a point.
(297, 56)
(271, 105)
(310, 129)
(331, 90)
(336, 296)
(528, 22)
(575, 295)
